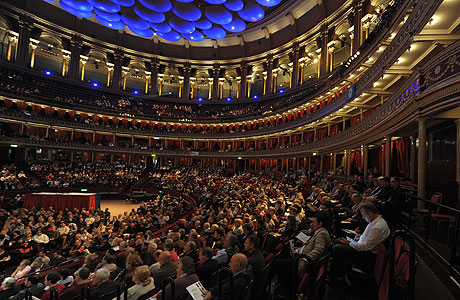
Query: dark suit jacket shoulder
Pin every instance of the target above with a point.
(165, 271)
(104, 289)
(180, 286)
(205, 270)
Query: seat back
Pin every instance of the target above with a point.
(317, 291)
(381, 262)
(149, 294)
(261, 281)
(248, 291)
(113, 294)
(436, 198)
(213, 279)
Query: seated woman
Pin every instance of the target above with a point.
(143, 283)
(22, 270)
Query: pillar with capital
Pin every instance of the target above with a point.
(117, 69)
(74, 64)
(365, 160)
(125, 71)
(154, 77)
(421, 159)
(388, 156)
(244, 72)
(357, 24)
(33, 45)
(215, 82)
(295, 65)
(12, 40)
(186, 88)
(269, 79)
(25, 30)
(109, 73)
(66, 55)
(148, 75)
(83, 61)
(324, 50)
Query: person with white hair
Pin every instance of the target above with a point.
(9, 288)
(102, 285)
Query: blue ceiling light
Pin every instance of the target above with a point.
(172, 36)
(162, 27)
(136, 92)
(148, 14)
(157, 5)
(216, 32)
(76, 12)
(203, 23)
(135, 22)
(268, 3)
(95, 84)
(181, 26)
(215, 1)
(229, 99)
(117, 25)
(143, 33)
(48, 73)
(200, 99)
(234, 5)
(196, 36)
(124, 2)
(255, 97)
(281, 91)
(105, 5)
(185, 1)
(79, 4)
(218, 14)
(237, 25)
(186, 11)
(251, 12)
(108, 16)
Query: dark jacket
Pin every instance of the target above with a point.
(104, 289)
(256, 261)
(240, 282)
(165, 271)
(180, 286)
(205, 270)
(35, 289)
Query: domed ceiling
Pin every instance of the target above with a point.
(171, 20)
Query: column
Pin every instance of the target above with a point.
(348, 162)
(244, 71)
(148, 75)
(215, 82)
(275, 77)
(83, 61)
(66, 54)
(249, 83)
(330, 52)
(413, 150)
(109, 73)
(33, 45)
(25, 29)
(388, 156)
(366, 160)
(154, 77)
(117, 69)
(268, 81)
(160, 85)
(186, 88)
(181, 83)
(458, 155)
(421, 160)
(295, 66)
(210, 88)
(334, 161)
(321, 163)
(12, 40)
(357, 24)
(75, 50)
(125, 72)
(324, 51)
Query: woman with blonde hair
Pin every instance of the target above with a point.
(22, 270)
(143, 283)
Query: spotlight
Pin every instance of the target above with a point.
(48, 73)
(200, 99)
(281, 91)
(95, 84)
(229, 99)
(255, 96)
(135, 92)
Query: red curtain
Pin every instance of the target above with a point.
(401, 157)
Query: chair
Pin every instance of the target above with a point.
(381, 263)
(261, 281)
(149, 294)
(436, 198)
(113, 294)
(248, 290)
(318, 286)
(213, 279)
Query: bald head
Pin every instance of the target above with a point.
(165, 257)
(238, 263)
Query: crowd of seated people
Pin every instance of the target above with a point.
(12, 179)
(24, 83)
(57, 174)
(238, 220)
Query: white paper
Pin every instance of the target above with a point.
(195, 290)
(303, 237)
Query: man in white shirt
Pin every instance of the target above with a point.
(41, 238)
(360, 251)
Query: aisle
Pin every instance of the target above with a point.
(117, 207)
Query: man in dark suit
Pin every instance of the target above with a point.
(102, 285)
(185, 277)
(207, 266)
(241, 279)
(190, 251)
(32, 284)
(392, 206)
(255, 257)
(167, 268)
(9, 288)
(80, 281)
